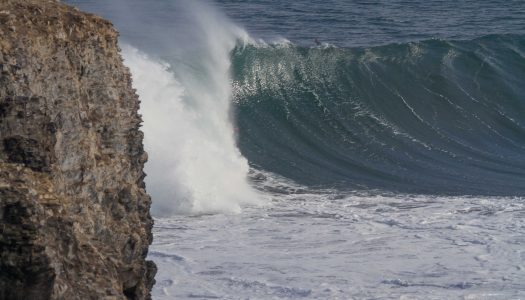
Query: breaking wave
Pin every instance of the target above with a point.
(432, 117)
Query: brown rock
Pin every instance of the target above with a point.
(74, 215)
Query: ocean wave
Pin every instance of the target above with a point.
(435, 116)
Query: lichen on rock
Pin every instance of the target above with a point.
(74, 213)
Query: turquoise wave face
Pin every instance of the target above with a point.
(436, 117)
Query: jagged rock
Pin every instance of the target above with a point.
(74, 214)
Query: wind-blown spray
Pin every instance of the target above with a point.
(194, 165)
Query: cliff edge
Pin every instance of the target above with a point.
(74, 214)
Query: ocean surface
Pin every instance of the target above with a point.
(331, 149)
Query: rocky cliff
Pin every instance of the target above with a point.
(74, 214)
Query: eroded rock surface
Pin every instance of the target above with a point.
(74, 214)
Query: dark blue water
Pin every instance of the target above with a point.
(366, 23)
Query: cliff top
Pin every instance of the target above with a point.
(42, 19)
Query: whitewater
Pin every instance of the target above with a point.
(386, 166)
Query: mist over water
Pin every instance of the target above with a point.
(194, 165)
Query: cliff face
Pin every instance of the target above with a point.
(74, 214)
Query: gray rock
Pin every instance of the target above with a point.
(74, 213)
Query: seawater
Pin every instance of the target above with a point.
(331, 149)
